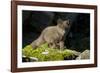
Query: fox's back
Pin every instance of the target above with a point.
(51, 34)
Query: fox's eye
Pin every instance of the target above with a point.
(68, 23)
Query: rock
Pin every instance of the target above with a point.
(33, 24)
(40, 20)
(25, 59)
(80, 44)
(84, 55)
(64, 16)
(32, 59)
(73, 56)
(79, 39)
(45, 52)
(29, 59)
(76, 52)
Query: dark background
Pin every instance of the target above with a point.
(78, 38)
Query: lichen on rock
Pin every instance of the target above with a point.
(44, 53)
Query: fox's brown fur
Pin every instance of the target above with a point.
(53, 35)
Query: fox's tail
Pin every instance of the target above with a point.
(37, 43)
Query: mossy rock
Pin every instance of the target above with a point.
(44, 53)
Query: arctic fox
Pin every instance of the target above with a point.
(53, 35)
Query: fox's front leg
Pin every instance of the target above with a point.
(61, 43)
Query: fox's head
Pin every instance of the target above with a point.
(64, 24)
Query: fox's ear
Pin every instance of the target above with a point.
(59, 21)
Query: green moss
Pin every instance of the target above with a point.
(44, 53)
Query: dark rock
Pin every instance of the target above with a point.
(33, 24)
(80, 44)
(79, 36)
(25, 59)
(41, 20)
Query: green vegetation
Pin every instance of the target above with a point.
(44, 53)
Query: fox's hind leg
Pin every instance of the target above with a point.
(52, 45)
